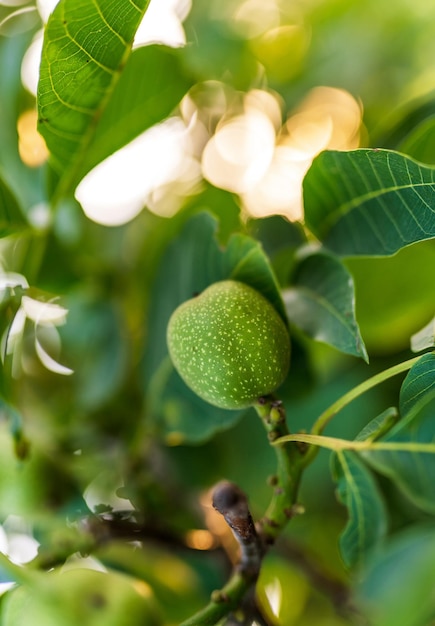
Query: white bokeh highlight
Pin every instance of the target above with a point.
(162, 23)
(117, 189)
(240, 152)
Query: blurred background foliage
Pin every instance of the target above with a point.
(268, 86)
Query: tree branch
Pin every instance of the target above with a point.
(232, 503)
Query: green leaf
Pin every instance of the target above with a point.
(322, 303)
(17, 21)
(193, 261)
(244, 260)
(86, 47)
(150, 87)
(216, 50)
(11, 217)
(94, 328)
(369, 202)
(419, 381)
(281, 240)
(412, 469)
(23, 181)
(11, 572)
(179, 415)
(420, 142)
(395, 296)
(413, 133)
(221, 203)
(405, 120)
(10, 301)
(379, 425)
(424, 338)
(397, 586)
(357, 490)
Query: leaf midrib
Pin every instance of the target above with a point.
(357, 201)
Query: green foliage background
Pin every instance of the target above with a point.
(123, 431)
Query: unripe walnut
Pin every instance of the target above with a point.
(80, 597)
(229, 345)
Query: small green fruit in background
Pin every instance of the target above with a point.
(80, 597)
(229, 345)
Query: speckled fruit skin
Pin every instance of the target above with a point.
(229, 345)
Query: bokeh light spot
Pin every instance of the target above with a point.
(31, 146)
(136, 176)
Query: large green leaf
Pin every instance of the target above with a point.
(86, 47)
(397, 586)
(322, 303)
(192, 262)
(369, 202)
(358, 491)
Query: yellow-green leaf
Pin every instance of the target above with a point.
(86, 46)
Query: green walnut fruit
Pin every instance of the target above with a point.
(229, 345)
(80, 597)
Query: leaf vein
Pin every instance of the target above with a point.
(106, 23)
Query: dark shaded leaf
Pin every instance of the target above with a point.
(412, 470)
(322, 303)
(94, 329)
(11, 217)
(419, 382)
(358, 491)
(397, 586)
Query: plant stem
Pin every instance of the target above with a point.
(327, 415)
(232, 504)
(281, 509)
(222, 602)
(289, 459)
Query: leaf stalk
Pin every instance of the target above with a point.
(327, 415)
